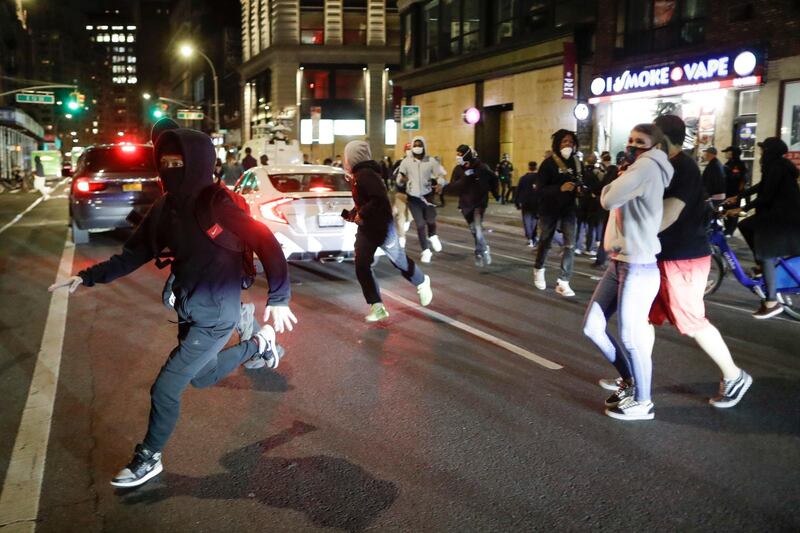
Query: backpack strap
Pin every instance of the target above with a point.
(209, 221)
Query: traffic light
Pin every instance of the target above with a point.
(159, 110)
(75, 101)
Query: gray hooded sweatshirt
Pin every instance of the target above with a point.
(420, 172)
(635, 200)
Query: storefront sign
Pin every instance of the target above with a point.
(568, 83)
(741, 68)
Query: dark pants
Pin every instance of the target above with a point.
(474, 218)
(767, 264)
(505, 190)
(601, 249)
(204, 327)
(424, 216)
(529, 220)
(547, 229)
(730, 224)
(365, 253)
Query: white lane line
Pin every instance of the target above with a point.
(513, 348)
(34, 204)
(19, 499)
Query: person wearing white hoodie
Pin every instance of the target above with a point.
(418, 173)
(632, 279)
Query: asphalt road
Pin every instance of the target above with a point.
(429, 422)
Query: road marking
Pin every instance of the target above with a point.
(19, 499)
(513, 348)
(34, 204)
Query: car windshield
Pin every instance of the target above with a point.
(123, 158)
(309, 182)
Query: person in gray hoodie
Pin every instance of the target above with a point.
(632, 280)
(423, 177)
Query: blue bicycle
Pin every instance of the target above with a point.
(724, 260)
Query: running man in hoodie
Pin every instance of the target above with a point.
(373, 215)
(632, 280)
(207, 284)
(558, 186)
(418, 173)
(473, 180)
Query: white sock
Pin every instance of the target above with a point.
(710, 340)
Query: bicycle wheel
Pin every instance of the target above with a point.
(791, 304)
(716, 273)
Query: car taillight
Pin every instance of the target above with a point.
(84, 186)
(270, 211)
(321, 188)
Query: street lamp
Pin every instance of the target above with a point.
(187, 51)
(146, 96)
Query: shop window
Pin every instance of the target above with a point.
(349, 84)
(316, 84)
(748, 102)
(655, 25)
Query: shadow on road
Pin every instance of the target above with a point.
(756, 414)
(330, 491)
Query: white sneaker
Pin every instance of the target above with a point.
(426, 256)
(630, 409)
(377, 312)
(563, 288)
(538, 279)
(425, 292)
(435, 243)
(402, 242)
(407, 225)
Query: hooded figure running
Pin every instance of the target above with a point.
(423, 177)
(373, 215)
(207, 283)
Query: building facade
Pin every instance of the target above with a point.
(321, 69)
(506, 59)
(730, 69)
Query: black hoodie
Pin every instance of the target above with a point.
(553, 173)
(372, 201)
(200, 266)
(473, 183)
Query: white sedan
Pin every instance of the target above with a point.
(302, 205)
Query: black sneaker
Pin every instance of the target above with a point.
(765, 312)
(625, 390)
(144, 466)
(731, 391)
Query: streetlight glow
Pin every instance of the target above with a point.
(146, 96)
(186, 50)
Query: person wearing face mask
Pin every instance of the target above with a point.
(774, 230)
(373, 216)
(632, 279)
(473, 181)
(208, 270)
(558, 187)
(417, 173)
(505, 171)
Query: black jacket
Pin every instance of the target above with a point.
(473, 184)
(372, 201)
(201, 267)
(552, 200)
(776, 221)
(714, 178)
(527, 197)
(735, 177)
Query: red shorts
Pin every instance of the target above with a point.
(680, 298)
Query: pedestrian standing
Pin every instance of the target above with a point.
(248, 161)
(559, 176)
(526, 200)
(505, 172)
(774, 230)
(589, 206)
(736, 178)
(231, 171)
(713, 177)
(337, 162)
(218, 170)
(208, 275)
(373, 216)
(263, 161)
(474, 183)
(418, 172)
(631, 282)
(684, 264)
(610, 173)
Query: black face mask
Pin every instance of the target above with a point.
(172, 178)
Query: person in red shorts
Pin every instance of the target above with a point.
(685, 261)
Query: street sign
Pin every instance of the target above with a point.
(411, 117)
(186, 114)
(36, 98)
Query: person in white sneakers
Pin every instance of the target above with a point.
(376, 229)
(558, 185)
(418, 173)
(632, 279)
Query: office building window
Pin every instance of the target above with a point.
(406, 22)
(470, 25)
(316, 84)
(654, 25)
(431, 18)
(312, 22)
(349, 84)
(355, 22)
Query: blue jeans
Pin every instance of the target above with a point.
(547, 229)
(365, 252)
(629, 288)
(529, 220)
(474, 218)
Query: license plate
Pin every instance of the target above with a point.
(330, 220)
(128, 187)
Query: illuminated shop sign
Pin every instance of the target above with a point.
(742, 68)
